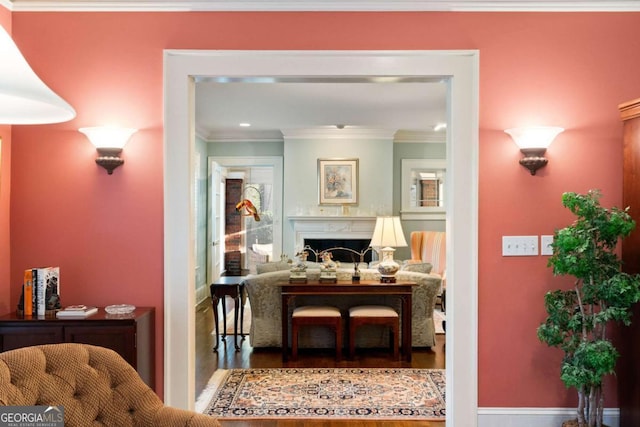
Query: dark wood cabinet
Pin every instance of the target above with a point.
(628, 373)
(131, 336)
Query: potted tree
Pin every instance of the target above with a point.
(602, 294)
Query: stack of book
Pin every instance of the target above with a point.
(41, 290)
(76, 312)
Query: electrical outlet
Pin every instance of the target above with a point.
(545, 245)
(519, 245)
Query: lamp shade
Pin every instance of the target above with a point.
(107, 136)
(388, 232)
(24, 98)
(535, 136)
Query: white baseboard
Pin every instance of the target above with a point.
(202, 293)
(536, 417)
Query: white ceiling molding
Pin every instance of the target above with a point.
(410, 136)
(239, 135)
(349, 133)
(323, 5)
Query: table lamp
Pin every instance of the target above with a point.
(388, 234)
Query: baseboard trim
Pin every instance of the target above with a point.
(202, 293)
(536, 417)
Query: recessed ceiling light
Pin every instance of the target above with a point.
(245, 125)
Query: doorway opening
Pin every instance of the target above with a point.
(461, 67)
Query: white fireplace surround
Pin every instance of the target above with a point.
(331, 227)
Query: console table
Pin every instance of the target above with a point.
(402, 290)
(131, 336)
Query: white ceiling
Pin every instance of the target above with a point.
(274, 108)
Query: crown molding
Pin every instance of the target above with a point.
(349, 133)
(239, 135)
(400, 136)
(322, 5)
(417, 136)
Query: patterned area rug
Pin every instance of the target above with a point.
(338, 393)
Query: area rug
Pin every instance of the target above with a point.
(335, 393)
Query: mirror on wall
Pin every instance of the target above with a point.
(423, 189)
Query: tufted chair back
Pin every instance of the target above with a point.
(95, 385)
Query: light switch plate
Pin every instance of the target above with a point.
(545, 245)
(519, 245)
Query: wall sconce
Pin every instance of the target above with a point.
(24, 98)
(533, 142)
(109, 142)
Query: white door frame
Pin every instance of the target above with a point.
(461, 67)
(215, 210)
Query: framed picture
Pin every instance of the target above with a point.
(338, 181)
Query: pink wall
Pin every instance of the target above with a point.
(106, 232)
(5, 191)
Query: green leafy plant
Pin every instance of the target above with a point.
(602, 294)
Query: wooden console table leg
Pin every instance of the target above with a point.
(406, 326)
(286, 300)
(214, 303)
(236, 301)
(224, 316)
(243, 300)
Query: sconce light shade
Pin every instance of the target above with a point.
(533, 142)
(109, 142)
(24, 98)
(387, 234)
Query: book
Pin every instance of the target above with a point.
(40, 286)
(52, 294)
(76, 311)
(27, 300)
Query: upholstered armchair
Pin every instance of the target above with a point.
(94, 385)
(430, 246)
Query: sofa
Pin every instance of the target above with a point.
(94, 385)
(266, 306)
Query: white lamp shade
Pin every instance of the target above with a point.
(535, 136)
(24, 98)
(388, 232)
(108, 137)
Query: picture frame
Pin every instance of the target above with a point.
(337, 181)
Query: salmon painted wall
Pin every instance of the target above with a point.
(5, 191)
(106, 232)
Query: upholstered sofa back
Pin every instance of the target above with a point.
(94, 385)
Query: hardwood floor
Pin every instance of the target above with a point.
(207, 361)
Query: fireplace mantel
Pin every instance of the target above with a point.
(331, 227)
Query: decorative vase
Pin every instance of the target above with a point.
(388, 267)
